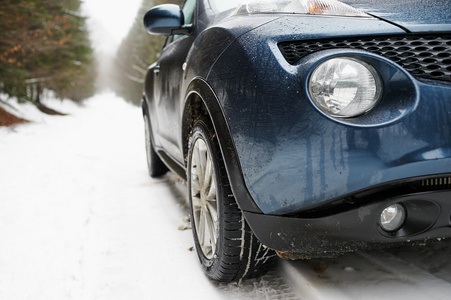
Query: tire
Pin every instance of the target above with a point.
(227, 249)
(155, 165)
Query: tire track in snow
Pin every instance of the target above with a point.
(271, 286)
(377, 274)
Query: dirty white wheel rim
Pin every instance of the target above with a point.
(203, 197)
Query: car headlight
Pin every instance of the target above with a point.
(345, 87)
(316, 7)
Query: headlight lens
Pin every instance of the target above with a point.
(315, 7)
(345, 87)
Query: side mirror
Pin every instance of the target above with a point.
(165, 19)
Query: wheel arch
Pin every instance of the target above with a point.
(200, 100)
(143, 104)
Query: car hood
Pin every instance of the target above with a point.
(412, 15)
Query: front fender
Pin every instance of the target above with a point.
(200, 89)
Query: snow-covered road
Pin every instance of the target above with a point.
(81, 219)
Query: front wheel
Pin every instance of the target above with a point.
(227, 248)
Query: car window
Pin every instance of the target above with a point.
(188, 11)
(222, 5)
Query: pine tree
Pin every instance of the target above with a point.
(44, 45)
(136, 52)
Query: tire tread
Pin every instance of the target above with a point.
(241, 256)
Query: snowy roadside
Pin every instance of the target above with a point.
(81, 219)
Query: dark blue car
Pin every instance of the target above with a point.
(303, 128)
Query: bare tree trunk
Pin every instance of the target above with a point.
(37, 98)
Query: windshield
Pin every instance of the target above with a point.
(315, 7)
(223, 5)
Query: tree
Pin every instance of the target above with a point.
(44, 45)
(136, 52)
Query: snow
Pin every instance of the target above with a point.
(81, 219)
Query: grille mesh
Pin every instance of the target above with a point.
(442, 182)
(424, 56)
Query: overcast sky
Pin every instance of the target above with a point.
(110, 21)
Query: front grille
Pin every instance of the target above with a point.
(437, 183)
(423, 56)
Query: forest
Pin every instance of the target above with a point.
(45, 46)
(137, 51)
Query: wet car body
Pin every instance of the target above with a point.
(311, 184)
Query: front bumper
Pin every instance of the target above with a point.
(428, 217)
(294, 157)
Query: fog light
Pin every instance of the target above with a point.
(393, 217)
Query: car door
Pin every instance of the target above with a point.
(168, 76)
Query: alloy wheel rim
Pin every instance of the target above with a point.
(203, 197)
